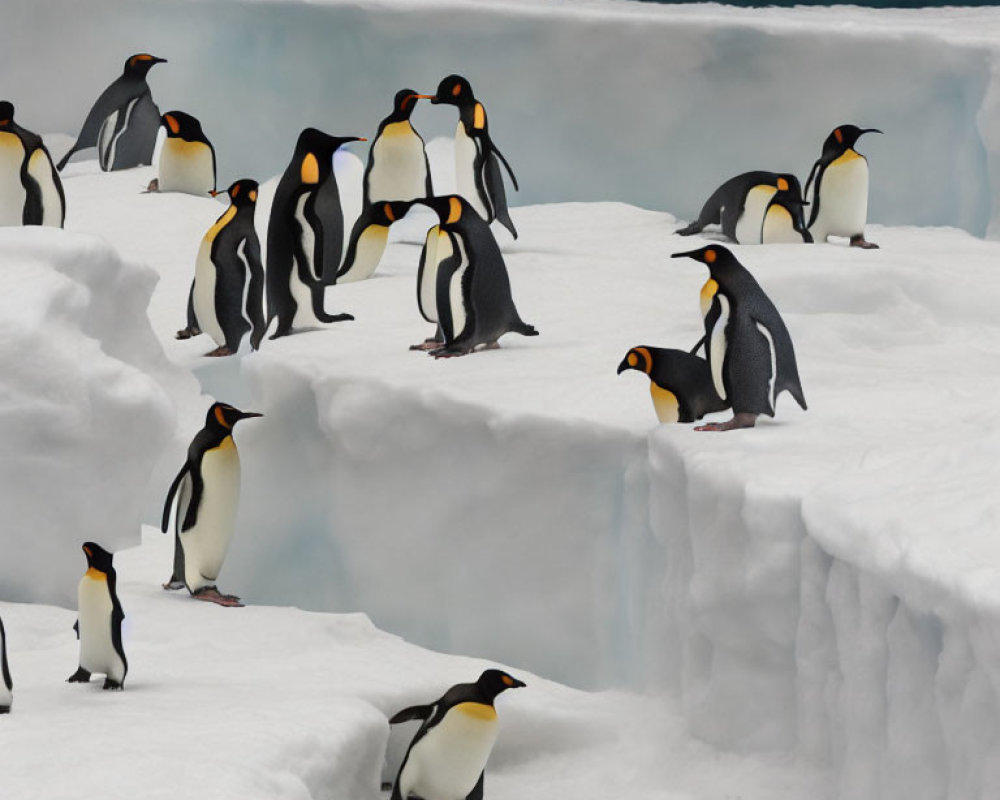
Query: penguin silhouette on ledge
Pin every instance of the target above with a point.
(749, 350)
(99, 621)
(187, 158)
(446, 759)
(397, 162)
(368, 240)
(207, 493)
(477, 159)
(6, 684)
(305, 235)
(472, 294)
(124, 120)
(840, 192)
(31, 192)
(680, 383)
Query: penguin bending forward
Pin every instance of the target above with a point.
(680, 383)
(187, 158)
(31, 192)
(749, 350)
(6, 684)
(207, 493)
(840, 193)
(473, 303)
(477, 159)
(447, 758)
(99, 621)
(368, 240)
(305, 235)
(124, 120)
(397, 162)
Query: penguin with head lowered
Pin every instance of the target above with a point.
(397, 162)
(187, 158)
(368, 239)
(124, 120)
(741, 206)
(749, 350)
(473, 303)
(446, 759)
(31, 192)
(680, 383)
(207, 494)
(6, 684)
(305, 234)
(477, 159)
(840, 192)
(227, 295)
(99, 621)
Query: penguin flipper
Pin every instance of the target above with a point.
(477, 790)
(197, 487)
(76, 627)
(814, 207)
(494, 187)
(412, 713)
(513, 178)
(169, 502)
(255, 292)
(32, 214)
(231, 281)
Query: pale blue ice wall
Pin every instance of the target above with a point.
(653, 109)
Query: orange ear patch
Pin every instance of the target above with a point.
(838, 136)
(310, 169)
(647, 358)
(454, 211)
(253, 196)
(782, 185)
(172, 123)
(633, 359)
(710, 256)
(235, 191)
(221, 418)
(456, 90)
(507, 680)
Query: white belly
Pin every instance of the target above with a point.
(717, 346)
(40, 168)
(186, 167)
(97, 651)
(843, 201)
(367, 254)
(779, 227)
(204, 294)
(438, 249)
(12, 193)
(748, 226)
(466, 152)
(399, 171)
(456, 299)
(447, 762)
(304, 316)
(206, 543)
(107, 137)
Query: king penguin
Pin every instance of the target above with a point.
(227, 295)
(368, 240)
(680, 383)
(305, 235)
(741, 203)
(187, 158)
(840, 192)
(477, 159)
(473, 302)
(6, 684)
(207, 493)
(446, 759)
(99, 621)
(749, 350)
(31, 192)
(397, 162)
(784, 220)
(124, 120)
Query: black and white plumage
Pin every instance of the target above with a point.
(31, 192)
(680, 383)
(99, 621)
(397, 167)
(187, 157)
(368, 239)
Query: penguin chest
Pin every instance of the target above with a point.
(112, 130)
(186, 167)
(748, 226)
(97, 651)
(205, 277)
(467, 165)
(301, 292)
(456, 288)
(843, 198)
(665, 403)
(207, 541)
(717, 345)
(12, 192)
(447, 761)
(779, 227)
(40, 168)
(437, 249)
(399, 171)
(367, 254)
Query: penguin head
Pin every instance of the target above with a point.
(404, 102)
(138, 65)
(242, 193)
(789, 190)
(182, 126)
(450, 208)
(843, 138)
(314, 153)
(494, 681)
(638, 358)
(97, 557)
(719, 260)
(388, 213)
(222, 415)
(454, 91)
(6, 113)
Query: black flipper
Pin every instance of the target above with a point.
(411, 713)
(255, 294)
(494, 187)
(170, 496)
(477, 790)
(197, 487)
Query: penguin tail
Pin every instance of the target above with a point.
(524, 329)
(796, 392)
(689, 230)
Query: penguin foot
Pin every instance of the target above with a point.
(173, 585)
(187, 333)
(860, 241)
(218, 352)
(428, 344)
(80, 676)
(742, 419)
(112, 685)
(212, 595)
(448, 352)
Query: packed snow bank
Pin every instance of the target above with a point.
(647, 104)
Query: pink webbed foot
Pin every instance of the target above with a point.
(740, 420)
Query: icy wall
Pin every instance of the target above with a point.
(647, 104)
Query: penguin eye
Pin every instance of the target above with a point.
(782, 185)
(456, 90)
(838, 136)
(710, 256)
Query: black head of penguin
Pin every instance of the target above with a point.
(222, 416)
(242, 193)
(841, 139)
(722, 264)
(97, 557)
(403, 104)
(314, 153)
(387, 213)
(450, 208)
(454, 91)
(138, 65)
(182, 126)
(494, 681)
(6, 113)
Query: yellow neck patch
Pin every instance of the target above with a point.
(849, 155)
(665, 403)
(479, 117)
(707, 293)
(310, 169)
(220, 223)
(454, 211)
(95, 574)
(477, 710)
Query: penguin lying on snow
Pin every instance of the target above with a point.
(31, 192)
(749, 350)
(99, 622)
(447, 758)
(187, 158)
(124, 120)
(840, 194)
(6, 684)
(680, 383)
(368, 240)
(397, 162)
(207, 491)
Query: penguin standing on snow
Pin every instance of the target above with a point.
(680, 383)
(447, 758)
(124, 120)
(840, 194)
(397, 162)
(99, 621)
(227, 295)
(187, 158)
(437, 250)
(6, 684)
(368, 240)
(207, 493)
(31, 192)
(473, 303)
(477, 159)
(305, 235)
(749, 350)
